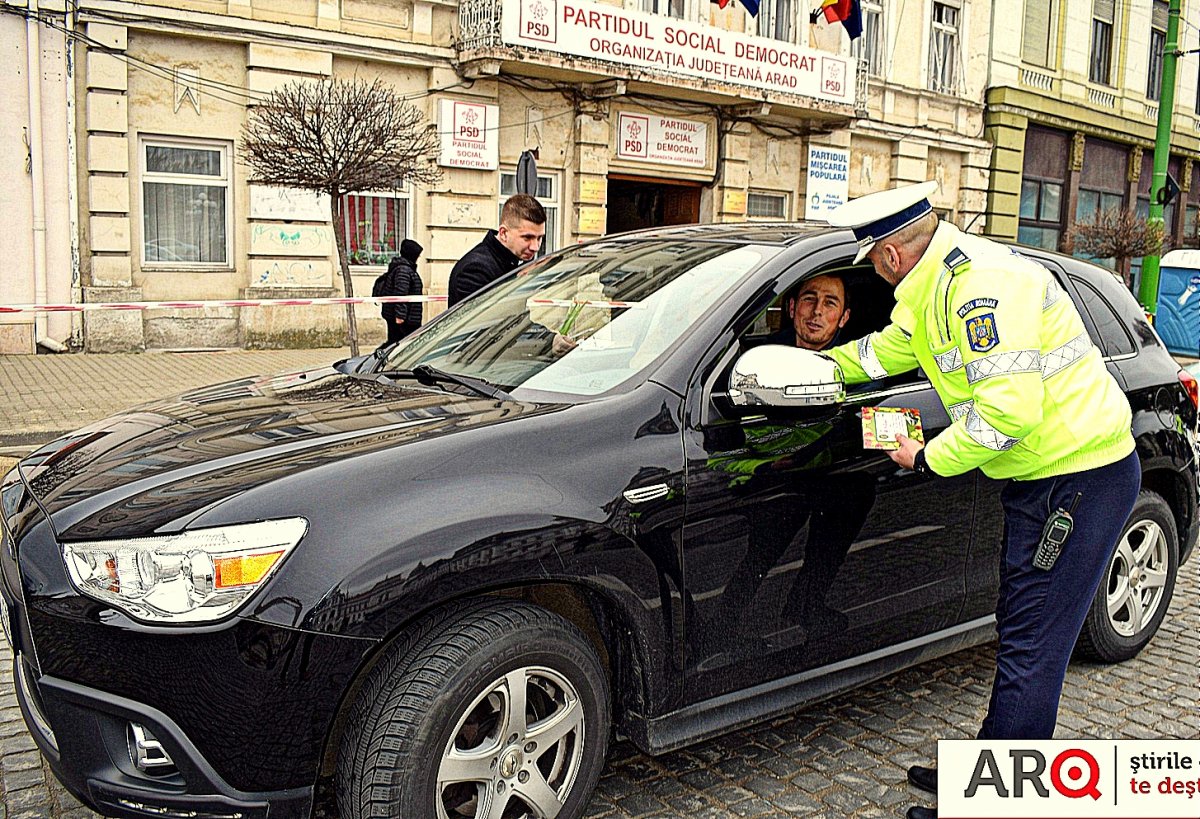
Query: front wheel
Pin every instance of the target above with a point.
(1136, 590)
(495, 710)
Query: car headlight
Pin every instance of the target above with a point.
(189, 577)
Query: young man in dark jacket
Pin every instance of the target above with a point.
(522, 228)
(402, 280)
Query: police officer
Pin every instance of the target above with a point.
(1030, 400)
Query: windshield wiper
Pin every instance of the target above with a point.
(430, 375)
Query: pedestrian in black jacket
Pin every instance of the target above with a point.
(522, 228)
(402, 279)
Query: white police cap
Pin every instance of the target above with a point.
(878, 215)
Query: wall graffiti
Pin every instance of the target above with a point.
(291, 240)
(270, 202)
(290, 273)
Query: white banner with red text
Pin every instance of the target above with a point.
(603, 32)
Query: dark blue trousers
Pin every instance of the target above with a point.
(1039, 614)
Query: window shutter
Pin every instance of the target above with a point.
(1159, 18)
(1035, 47)
(1103, 10)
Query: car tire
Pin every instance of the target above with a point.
(1136, 589)
(432, 734)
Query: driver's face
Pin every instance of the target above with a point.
(819, 311)
(523, 239)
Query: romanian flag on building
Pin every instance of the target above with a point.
(751, 5)
(847, 12)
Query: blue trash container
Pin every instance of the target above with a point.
(1178, 321)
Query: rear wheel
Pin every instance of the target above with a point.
(494, 710)
(1136, 590)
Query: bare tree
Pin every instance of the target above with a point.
(1117, 234)
(335, 137)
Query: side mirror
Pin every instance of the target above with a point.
(786, 377)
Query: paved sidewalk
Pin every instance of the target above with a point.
(44, 396)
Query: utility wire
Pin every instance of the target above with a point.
(218, 89)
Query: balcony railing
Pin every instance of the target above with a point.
(1102, 99)
(478, 24)
(1037, 79)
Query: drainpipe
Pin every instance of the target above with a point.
(73, 179)
(33, 76)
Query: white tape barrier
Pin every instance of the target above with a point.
(200, 305)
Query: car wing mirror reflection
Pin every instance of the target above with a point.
(786, 377)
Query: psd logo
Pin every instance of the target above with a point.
(539, 20)
(633, 136)
(470, 122)
(833, 77)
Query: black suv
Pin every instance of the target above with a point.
(439, 578)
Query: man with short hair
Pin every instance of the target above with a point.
(517, 240)
(817, 310)
(1030, 400)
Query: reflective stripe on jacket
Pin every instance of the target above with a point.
(1026, 390)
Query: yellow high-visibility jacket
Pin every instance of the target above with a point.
(1027, 391)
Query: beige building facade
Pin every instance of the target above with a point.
(642, 113)
(1072, 109)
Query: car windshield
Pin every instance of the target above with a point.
(621, 304)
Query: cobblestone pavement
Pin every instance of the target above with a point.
(844, 757)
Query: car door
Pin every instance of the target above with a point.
(802, 549)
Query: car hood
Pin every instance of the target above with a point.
(158, 465)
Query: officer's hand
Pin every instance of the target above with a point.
(907, 451)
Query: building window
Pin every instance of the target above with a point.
(775, 19)
(185, 203)
(1100, 62)
(1092, 203)
(373, 225)
(1158, 44)
(1102, 185)
(765, 205)
(943, 48)
(1035, 42)
(1041, 213)
(870, 46)
(1191, 216)
(670, 8)
(547, 194)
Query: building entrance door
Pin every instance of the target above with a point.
(638, 202)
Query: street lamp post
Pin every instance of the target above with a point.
(1148, 290)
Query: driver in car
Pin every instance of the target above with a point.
(835, 506)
